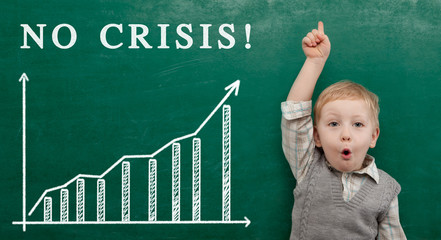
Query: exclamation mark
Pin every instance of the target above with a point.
(247, 32)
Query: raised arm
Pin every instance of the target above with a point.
(297, 128)
(316, 46)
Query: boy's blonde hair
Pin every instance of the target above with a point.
(347, 90)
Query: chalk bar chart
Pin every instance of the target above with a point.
(124, 166)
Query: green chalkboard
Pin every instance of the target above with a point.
(135, 126)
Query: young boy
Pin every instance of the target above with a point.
(340, 193)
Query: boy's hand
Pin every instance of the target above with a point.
(316, 44)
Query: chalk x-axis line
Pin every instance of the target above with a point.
(234, 87)
(246, 221)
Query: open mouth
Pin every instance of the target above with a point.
(346, 153)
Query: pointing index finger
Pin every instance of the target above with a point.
(321, 28)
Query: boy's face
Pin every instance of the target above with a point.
(345, 131)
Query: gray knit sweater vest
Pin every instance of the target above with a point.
(321, 213)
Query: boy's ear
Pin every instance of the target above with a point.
(317, 141)
(375, 135)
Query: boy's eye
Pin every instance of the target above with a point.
(358, 124)
(333, 124)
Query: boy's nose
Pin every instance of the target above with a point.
(345, 135)
(345, 138)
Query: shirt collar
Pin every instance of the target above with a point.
(369, 168)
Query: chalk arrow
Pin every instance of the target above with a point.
(234, 86)
(247, 221)
(23, 78)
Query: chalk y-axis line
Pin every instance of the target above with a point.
(234, 87)
(24, 78)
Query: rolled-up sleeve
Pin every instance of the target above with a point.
(297, 136)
